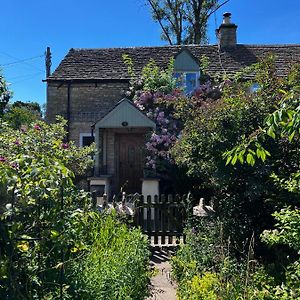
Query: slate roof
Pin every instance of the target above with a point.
(107, 63)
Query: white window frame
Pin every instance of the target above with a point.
(82, 135)
(184, 77)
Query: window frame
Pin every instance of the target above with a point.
(184, 73)
(82, 135)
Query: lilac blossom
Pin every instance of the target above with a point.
(15, 165)
(2, 159)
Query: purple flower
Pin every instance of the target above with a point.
(15, 165)
(2, 159)
(17, 142)
(65, 146)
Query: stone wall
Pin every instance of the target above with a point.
(89, 102)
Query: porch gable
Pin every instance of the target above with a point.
(125, 115)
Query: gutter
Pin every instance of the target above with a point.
(90, 80)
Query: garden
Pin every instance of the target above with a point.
(234, 141)
(54, 244)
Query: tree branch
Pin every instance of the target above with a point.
(159, 20)
(217, 8)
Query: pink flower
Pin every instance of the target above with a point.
(65, 146)
(2, 159)
(37, 127)
(17, 142)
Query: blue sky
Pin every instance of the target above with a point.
(28, 27)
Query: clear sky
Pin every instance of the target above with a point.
(28, 27)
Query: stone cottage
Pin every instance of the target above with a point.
(88, 87)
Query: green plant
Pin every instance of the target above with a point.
(48, 229)
(115, 267)
(38, 199)
(200, 288)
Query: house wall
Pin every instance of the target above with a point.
(89, 102)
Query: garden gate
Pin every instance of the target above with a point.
(161, 218)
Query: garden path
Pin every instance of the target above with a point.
(162, 287)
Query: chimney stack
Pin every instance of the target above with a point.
(227, 32)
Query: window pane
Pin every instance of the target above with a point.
(179, 80)
(87, 140)
(191, 82)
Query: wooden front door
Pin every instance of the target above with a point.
(131, 162)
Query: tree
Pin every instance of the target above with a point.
(5, 94)
(22, 113)
(282, 126)
(184, 21)
(245, 192)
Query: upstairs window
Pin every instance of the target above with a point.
(188, 81)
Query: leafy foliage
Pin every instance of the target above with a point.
(47, 225)
(206, 267)
(36, 187)
(115, 267)
(244, 148)
(21, 113)
(5, 94)
(241, 189)
(182, 21)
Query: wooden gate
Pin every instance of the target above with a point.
(161, 218)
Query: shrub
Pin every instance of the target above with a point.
(52, 243)
(208, 267)
(115, 267)
(200, 288)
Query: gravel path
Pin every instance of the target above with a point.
(162, 287)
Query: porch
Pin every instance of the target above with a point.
(120, 139)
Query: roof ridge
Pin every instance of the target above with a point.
(270, 45)
(182, 46)
(143, 47)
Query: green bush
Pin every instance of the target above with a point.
(208, 267)
(115, 266)
(200, 288)
(51, 241)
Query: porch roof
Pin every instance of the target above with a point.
(124, 115)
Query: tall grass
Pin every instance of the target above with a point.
(116, 264)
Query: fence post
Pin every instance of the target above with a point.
(163, 217)
(169, 219)
(156, 225)
(149, 229)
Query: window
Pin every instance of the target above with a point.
(86, 139)
(187, 80)
(254, 88)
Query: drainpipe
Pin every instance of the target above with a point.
(68, 111)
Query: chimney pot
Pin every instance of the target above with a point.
(227, 18)
(227, 32)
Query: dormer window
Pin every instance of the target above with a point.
(188, 81)
(186, 71)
